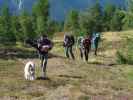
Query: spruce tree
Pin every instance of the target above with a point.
(7, 34)
(71, 21)
(41, 14)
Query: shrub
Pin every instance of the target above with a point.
(125, 55)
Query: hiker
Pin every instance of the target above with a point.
(95, 41)
(68, 45)
(80, 45)
(44, 45)
(86, 46)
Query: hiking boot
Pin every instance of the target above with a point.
(44, 74)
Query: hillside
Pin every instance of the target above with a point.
(99, 79)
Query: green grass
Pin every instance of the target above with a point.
(89, 80)
(17, 51)
(130, 75)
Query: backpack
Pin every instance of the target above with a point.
(80, 41)
(69, 40)
(87, 42)
(45, 44)
(72, 40)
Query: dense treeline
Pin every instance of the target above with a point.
(20, 27)
(96, 18)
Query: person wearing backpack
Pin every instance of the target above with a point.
(87, 46)
(95, 42)
(68, 44)
(80, 45)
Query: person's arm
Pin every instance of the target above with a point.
(77, 43)
(51, 45)
(98, 36)
(64, 41)
(39, 43)
(73, 40)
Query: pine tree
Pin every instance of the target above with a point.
(109, 11)
(130, 5)
(6, 30)
(71, 21)
(26, 26)
(41, 14)
(96, 13)
(86, 22)
(16, 28)
(91, 20)
(128, 20)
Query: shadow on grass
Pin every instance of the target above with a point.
(13, 53)
(51, 55)
(17, 53)
(111, 64)
(43, 78)
(68, 76)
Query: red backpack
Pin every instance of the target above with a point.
(87, 42)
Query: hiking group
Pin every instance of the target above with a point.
(84, 43)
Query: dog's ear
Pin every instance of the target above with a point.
(31, 68)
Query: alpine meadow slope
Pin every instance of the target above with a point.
(99, 79)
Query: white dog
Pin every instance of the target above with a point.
(29, 71)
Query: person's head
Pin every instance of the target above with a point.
(44, 36)
(66, 35)
(81, 33)
(87, 36)
(97, 34)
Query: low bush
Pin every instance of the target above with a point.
(125, 54)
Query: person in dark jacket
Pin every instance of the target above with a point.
(86, 46)
(95, 42)
(68, 45)
(44, 45)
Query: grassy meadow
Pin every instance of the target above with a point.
(102, 78)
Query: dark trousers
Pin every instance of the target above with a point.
(81, 52)
(84, 52)
(44, 59)
(96, 46)
(69, 50)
